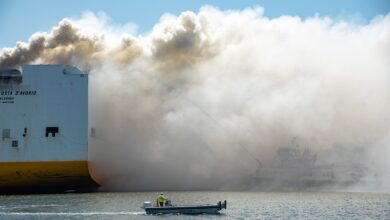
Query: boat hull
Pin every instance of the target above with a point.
(191, 209)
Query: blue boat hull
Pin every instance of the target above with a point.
(190, 209)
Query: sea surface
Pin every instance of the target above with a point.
(240, 205)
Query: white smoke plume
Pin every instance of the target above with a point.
(194, 103)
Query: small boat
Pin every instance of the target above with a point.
(185, 209)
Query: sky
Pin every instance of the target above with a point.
(19, 19)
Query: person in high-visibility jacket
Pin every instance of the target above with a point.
(161, 199)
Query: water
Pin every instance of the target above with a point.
(241, 205)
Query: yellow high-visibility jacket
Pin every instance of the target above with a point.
(161, 198)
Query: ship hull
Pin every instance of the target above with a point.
(45, 176)
(44, 130)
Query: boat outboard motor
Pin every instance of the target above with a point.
(147, 204)
(168, 203)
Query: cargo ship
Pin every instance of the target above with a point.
(44, 129)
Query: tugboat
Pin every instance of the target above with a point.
(184, 209)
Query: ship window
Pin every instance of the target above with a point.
(51, 130)
(14, 143)
(6, 133)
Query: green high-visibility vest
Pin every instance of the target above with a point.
(161, 198)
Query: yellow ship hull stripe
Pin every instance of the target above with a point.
(44, 174)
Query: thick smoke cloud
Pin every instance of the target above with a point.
(197, 101)
(63, 45)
